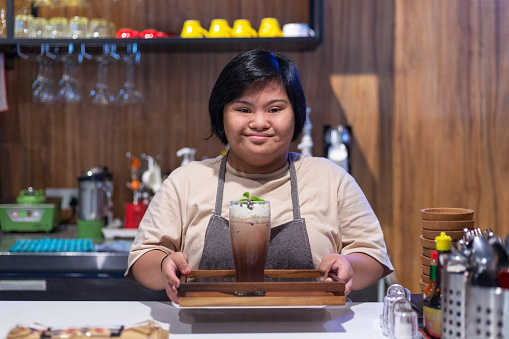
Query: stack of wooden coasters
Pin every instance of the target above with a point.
(434, 221)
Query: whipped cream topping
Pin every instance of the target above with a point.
(250, 210)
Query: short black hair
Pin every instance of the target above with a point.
(251, 68)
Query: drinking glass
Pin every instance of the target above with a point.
(78, 27)
(38, 28)
(101, 95)
(58, 28)
(129, 94)
(98, 28)
(22, 25)
(44, 88)
(69, 89)
(249, 223)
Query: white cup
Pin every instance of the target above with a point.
(297, 29)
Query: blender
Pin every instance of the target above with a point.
(95, 201)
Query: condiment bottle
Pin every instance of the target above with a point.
(432, 305)
(432, 275)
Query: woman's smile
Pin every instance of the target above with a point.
(258, 138)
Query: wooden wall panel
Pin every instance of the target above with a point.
(450, 116)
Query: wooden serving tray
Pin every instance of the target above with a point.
(284, 293)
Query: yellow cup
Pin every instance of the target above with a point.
(193, 29)
(269, 28)
(219, 28)
(242, 29)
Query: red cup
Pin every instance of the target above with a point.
(149, 33)
(127, 33)
(152, 34)
(134, 214)
(161, 35)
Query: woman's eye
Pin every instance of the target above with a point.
(243, 110)
(274, 110)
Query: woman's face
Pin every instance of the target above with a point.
(259, 127)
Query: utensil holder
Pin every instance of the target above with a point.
(486, 309)
(454, 286)
(473, 311)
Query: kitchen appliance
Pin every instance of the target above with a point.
(32, 212)
(95, 189)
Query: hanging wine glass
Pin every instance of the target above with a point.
(101, 95)
(43, 88)
(129, 94)
(69, 89)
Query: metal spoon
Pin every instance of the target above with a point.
(500, 251)
(484, 262)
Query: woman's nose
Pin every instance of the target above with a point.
(259, 121)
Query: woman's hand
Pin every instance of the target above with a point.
(172, 267)
(339, 264)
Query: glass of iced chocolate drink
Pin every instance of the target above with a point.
(249, 234)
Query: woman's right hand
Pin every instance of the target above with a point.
(172, 267)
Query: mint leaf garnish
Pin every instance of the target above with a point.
(246, 194)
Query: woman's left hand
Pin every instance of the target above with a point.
(339, 264)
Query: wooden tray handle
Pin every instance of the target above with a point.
(197, 274)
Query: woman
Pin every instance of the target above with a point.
(320, 217)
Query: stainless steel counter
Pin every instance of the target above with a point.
(57, 262)
(63, 262)
(66, 275)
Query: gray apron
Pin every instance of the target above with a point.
(288, 246)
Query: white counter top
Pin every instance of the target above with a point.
(354, 320)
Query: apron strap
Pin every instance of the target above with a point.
(294, 188)
(220, 186)
(293, 183)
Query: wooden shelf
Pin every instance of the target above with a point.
(169, 44)
(10, 44)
